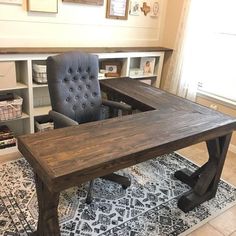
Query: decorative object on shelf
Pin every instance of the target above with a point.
(147, 64)
(101, 74)
(50, 6)
(135, 72)
(39, 73)
(155, 9)
(7, 138)
(134, 8)
(43, 123)
(89, 2)
(18, 2)
(112, 68)
(7, 74)
(117, 9)
(10, 107)
(145, 8)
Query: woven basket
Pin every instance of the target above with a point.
(11, 109)
(39, 74)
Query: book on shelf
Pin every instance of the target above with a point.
(7, 138)
(7, 143)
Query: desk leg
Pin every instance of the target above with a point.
(204, 181)
(48, 224)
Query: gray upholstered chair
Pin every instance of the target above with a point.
(76, 97)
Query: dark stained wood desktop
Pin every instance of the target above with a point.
(145, 97)
(66, 157)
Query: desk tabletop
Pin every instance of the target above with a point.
(94, 149)
(145, 97)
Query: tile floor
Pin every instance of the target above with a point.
(224, 224)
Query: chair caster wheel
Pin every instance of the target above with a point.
(88, 200)
(124, 187)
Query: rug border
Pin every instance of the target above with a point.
(188, 231)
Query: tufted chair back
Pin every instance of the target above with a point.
(73, 85)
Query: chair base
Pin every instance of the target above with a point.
(123, 181)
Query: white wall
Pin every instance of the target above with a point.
(77, 25)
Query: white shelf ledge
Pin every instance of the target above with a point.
(143, 76)
(40, 111)
(39, 85)
(18, 86)
(24, 116)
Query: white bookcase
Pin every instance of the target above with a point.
(36, 101)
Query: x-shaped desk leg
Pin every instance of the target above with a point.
(204, 181)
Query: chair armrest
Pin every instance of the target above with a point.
(61, 120)
(117, 105)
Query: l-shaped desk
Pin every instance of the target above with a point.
(66, 157)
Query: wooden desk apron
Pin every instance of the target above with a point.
(66, 157)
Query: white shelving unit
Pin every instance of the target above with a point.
(35, 96)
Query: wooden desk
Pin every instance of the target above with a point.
(66, 157)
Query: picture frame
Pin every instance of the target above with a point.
(117, 9)
(147, 64)
(155, 9)
(16, 2)
(112, 68)
(89, 2)
(134, 8)
(49, 6)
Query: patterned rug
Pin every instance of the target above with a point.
(148, 207)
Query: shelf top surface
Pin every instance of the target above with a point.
(37, 50)
(16, 87)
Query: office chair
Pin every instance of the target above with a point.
(76, 97)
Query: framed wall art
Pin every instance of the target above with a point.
(117, 9)
(18, 2)
(50, 6)
(134, 8)
(89, 2)
(155, 9)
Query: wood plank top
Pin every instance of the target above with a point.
(38, 50)
(145, 97)
(87, 151)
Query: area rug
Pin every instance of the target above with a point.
(147, 208)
